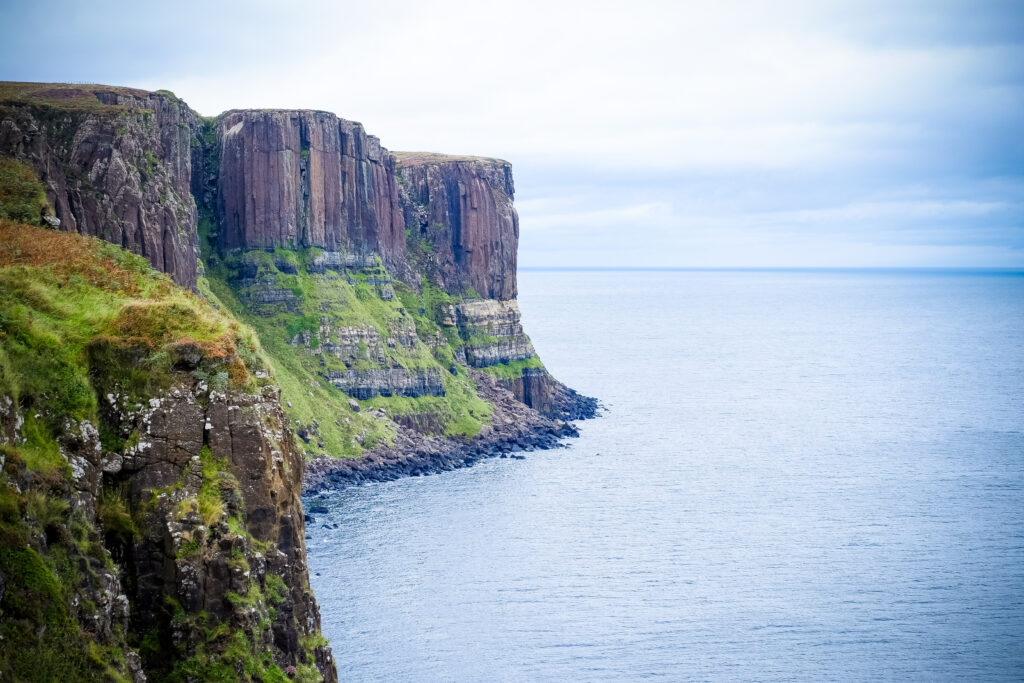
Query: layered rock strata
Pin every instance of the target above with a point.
(366, 384)
(514, 427)
(493, 332)
(464, 231)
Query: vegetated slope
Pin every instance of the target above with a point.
(379, 283)
(374, 338)
(149, 495)
(149, 486)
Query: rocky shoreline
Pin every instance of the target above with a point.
(381, 289)
(515, 428)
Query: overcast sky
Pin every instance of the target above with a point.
(724, 133)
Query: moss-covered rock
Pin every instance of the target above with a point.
(335, 330)
(149, 494)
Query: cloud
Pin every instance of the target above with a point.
(680, 124)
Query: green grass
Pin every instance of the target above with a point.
(513, 370)
(406, 159)
(305, 395)
(477, 338)
(22, 196)
(226, 658)
(80, 318)
(116, 519)
(460, 412)
(209, 502)
(66, 97)
(40, 638)
(350, 299)
(217, 477)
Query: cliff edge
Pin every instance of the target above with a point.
(331, 313)
(115, 164)
(149, 484)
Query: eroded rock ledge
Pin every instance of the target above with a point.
(515, 427)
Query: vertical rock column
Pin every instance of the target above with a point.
(463, 206)
(307, 179)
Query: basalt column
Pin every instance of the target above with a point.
(298, 179)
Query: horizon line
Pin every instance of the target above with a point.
(1007, 270)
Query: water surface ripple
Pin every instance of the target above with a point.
(799, 476)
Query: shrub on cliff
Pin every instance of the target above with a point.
(22, 197)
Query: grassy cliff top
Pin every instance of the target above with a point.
(423, 158)
(81, 318)
(68, 301)
(70, 96)
(284, 110)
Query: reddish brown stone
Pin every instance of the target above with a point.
(463, 205)
(307, 179)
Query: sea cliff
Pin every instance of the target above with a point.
(149, 483)
(200, 317)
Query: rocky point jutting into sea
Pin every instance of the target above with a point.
(331, 313)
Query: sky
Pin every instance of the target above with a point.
(793, 133)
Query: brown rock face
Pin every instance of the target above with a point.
(307, 179)
(226, 574)
(463, 207)
(116, 164)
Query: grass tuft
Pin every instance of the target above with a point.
(22, 197)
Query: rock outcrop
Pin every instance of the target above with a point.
(462, 208)
(306, 179)
(493, 332)
(115, 162)
(150, 516)
(538, 389)
(365, 384)
(514, 427)
(464, 232)
(237, 559)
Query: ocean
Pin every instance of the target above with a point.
(797, 475)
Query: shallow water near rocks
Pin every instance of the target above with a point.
(798, 475)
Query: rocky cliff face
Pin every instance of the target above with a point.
(492, 332)
(306, 179)
(214, 480)
(461, 207)
(298, 182)
(115, 163)
(464, 231)
(149, 480)
(382, 293)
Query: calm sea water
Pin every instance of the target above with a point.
(799, 476)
